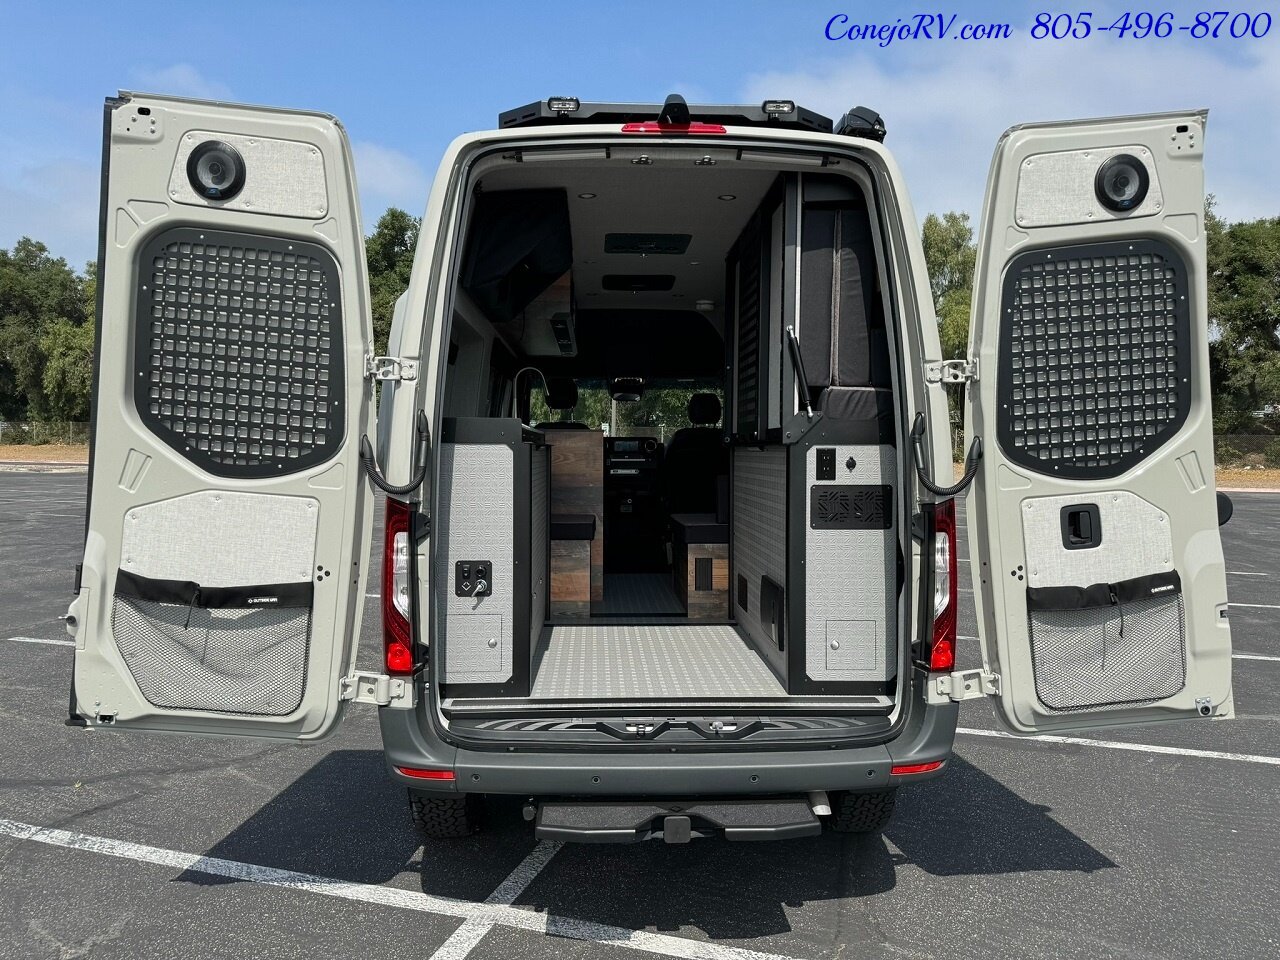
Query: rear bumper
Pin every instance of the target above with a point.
(408, 741)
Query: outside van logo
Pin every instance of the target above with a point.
(263, 600)
(1165, 589)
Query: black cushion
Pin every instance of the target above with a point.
(689, 528)
(704, 409)
(573, 526)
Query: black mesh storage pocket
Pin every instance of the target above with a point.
(1108, 644)
(225, 649)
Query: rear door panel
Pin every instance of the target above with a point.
(228, 530)
(1098, 567)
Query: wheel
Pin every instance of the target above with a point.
(863, 812)
(443, 818)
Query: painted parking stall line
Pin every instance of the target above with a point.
(52, 643)
(507, 916)
(1122, 745)
(463, 940)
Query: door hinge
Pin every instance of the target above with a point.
(951, 371)
(360, 686)
(961, 685)
(390, 368)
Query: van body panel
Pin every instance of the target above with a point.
(1098, 569)
(222, 583)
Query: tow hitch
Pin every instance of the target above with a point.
(675, 821)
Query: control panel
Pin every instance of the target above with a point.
(472, 578)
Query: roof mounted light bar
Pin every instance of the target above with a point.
(675, 112)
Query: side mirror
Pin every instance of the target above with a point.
(1225, 508)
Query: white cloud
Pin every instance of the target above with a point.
(946, 104)
(388, 178)
(180, 80)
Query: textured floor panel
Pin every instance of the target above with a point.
(646, 594)
(649, 661)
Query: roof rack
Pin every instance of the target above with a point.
(771, 113)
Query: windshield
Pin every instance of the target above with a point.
(661, 410)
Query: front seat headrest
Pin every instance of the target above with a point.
(562, 393)
(704, 409)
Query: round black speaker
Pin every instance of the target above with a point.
(1122, 182)
(216, 170)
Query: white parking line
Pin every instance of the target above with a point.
(507, 916)
(1121, 745)
(1241, 573)
(54, 643)
(1253, 656)
(463, 940)
(1258, 606)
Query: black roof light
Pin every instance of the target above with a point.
(563, 104)
(862, 122)
(778, 107)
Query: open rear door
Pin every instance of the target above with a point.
(1097, 564)
(228, 530)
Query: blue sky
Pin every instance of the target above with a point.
(407, 77)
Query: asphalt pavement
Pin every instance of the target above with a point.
(1135, 842)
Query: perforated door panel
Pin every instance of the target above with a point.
(238, 350)
(1095, 356)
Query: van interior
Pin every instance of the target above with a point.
(671, 460)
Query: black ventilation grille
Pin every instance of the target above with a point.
(665, 243)
(238, 350)
(1095, 356)
(702, 573)
(850, 507)
(638, 282)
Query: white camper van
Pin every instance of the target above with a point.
(670, 525)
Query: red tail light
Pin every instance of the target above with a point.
(942, 651)
(652, 126)
(420, 774)
(397, 634)
(906, 769)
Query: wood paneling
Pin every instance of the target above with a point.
(571, 579)
(577, 486)
(710, 604)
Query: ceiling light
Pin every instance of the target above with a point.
(728, 196)
(586, 196)
(705, 306)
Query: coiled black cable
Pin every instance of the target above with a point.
(971, 461)
(370, 463)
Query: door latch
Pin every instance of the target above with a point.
(361, 686)
(951, 371)
(390, 368)
(960, 685)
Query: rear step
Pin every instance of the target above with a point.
(777, 818)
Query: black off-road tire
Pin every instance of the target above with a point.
(862, 812)
(443, 818)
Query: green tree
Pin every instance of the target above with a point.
(389, 252)
(1244, 313)
(950, 255)
(42, 305)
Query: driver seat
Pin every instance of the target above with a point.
(695, 457)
